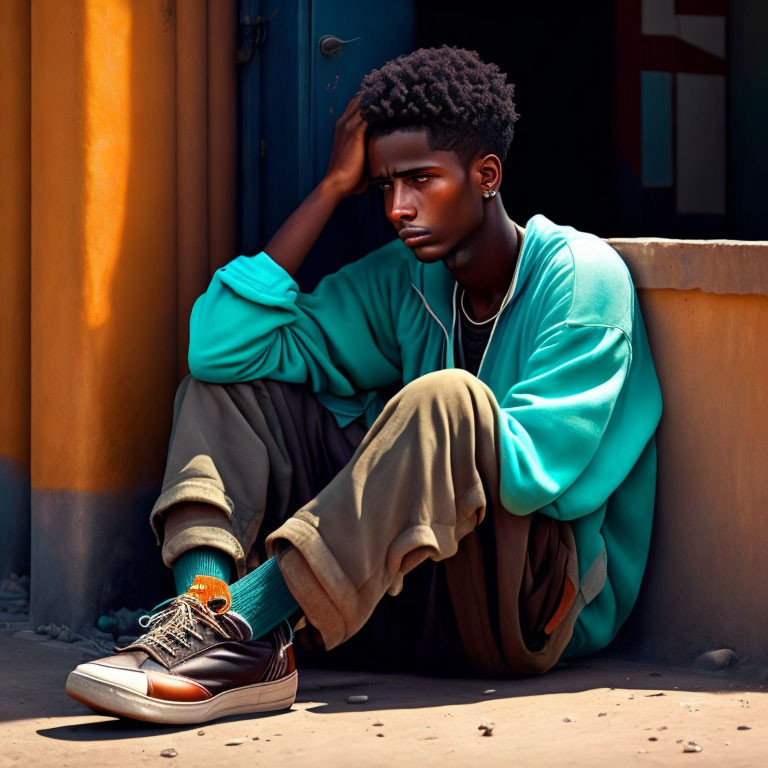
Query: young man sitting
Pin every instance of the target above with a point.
(473, 405)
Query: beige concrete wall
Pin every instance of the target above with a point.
(706, 309)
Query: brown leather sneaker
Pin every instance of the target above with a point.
(197, 662)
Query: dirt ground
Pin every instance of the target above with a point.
(600, 712)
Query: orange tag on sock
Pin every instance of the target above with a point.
(212, 592)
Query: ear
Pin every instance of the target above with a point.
(488, 172)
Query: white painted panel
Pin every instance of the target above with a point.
(705, 32)
(659, 17)
(700, 143)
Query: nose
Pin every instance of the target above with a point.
(402, 208)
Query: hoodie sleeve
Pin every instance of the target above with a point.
(554, 419)
(253, 322)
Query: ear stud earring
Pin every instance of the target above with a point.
(489, 193)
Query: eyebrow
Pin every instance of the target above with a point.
(401, 174)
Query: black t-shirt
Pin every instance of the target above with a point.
(471, 340)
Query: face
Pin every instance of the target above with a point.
(432, 191)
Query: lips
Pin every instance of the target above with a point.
(413, 235)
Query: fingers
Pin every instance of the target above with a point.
(353, 107)
(351, 125)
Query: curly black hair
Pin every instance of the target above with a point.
(464, 103)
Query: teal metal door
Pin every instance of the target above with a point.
(301, 62)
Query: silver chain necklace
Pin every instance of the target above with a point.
(469, 319)
(521, 237)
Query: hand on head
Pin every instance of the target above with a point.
(346, 168)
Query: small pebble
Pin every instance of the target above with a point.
(744, 728)
(381, 735)
(691, 746)
(486, 729)
(255, 738)
(717, 661)
(727, 743)
(234, 743)
(567, 720)
(642, 751)
(67, 635)
(357, 699)
(652, 695)
(662, 728)
(602, 714)
(653, 738)
(169, 753)
(201, 732)
(378, 725)
(489, 691)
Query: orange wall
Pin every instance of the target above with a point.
(14, 230)
(110, 297)
(103, 241)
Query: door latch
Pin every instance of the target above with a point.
(330, 45)
(253, 33)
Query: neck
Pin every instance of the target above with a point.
(485, 262)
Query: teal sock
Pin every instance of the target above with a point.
(262, 598)
(203, 561)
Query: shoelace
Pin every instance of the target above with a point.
(170, 627)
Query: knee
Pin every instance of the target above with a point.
(197, 390)
(447, 385)
(189, 384)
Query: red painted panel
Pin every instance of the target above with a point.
(701, 7)
(668, 54)
(628, 15)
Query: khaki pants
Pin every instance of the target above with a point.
(422, 483)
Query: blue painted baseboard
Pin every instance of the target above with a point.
(14, 518)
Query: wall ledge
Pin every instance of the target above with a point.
(712, 266)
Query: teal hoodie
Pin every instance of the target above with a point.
(568, 361)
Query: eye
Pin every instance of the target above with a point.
(384, 186)
(421, 178)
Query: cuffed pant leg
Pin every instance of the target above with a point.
(252, 452)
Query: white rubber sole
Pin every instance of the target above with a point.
(118, 700)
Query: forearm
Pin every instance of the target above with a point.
(291, 243)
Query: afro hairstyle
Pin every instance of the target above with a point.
(465, 104)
